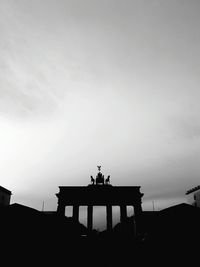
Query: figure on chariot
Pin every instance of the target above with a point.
(100, 180)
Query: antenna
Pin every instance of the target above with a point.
(153, 206)
(43, 206)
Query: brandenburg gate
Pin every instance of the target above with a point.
(100, 193)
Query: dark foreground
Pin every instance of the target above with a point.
(30, 238)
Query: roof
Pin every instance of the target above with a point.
(193, 190)
(178, 209)
(5, 190)
(22, 209)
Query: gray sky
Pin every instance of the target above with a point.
(87, 82)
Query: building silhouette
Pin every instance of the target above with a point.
(5, 196)
(47, 234)
(193, 196)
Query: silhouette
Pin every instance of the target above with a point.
(92, 180)
(100, 194)
(5, 196)
(145, 237)
(193, 196)
(100, 178)
(107, 181)
(99, 168)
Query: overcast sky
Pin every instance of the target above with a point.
(99, 82)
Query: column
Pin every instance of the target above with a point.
(138, 219)
(75, 214)
(137, 209)
(61, 209)
(123, 213)
(109, 217)
(90, 217)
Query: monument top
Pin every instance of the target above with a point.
(100, 180)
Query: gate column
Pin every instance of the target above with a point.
(123, 213)
(61, 209)
(138, 213)
(75, 212)
(90, 217)
(109, 217)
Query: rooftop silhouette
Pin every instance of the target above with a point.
(193, 189)
(51, 236)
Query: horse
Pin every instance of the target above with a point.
(92, 179)
(107, 179)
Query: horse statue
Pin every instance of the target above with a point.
(100, 180)
(107, 181)
(92, 179)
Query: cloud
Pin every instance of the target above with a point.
(187, 126)
(99, 83)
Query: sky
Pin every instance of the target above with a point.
(112, 83)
